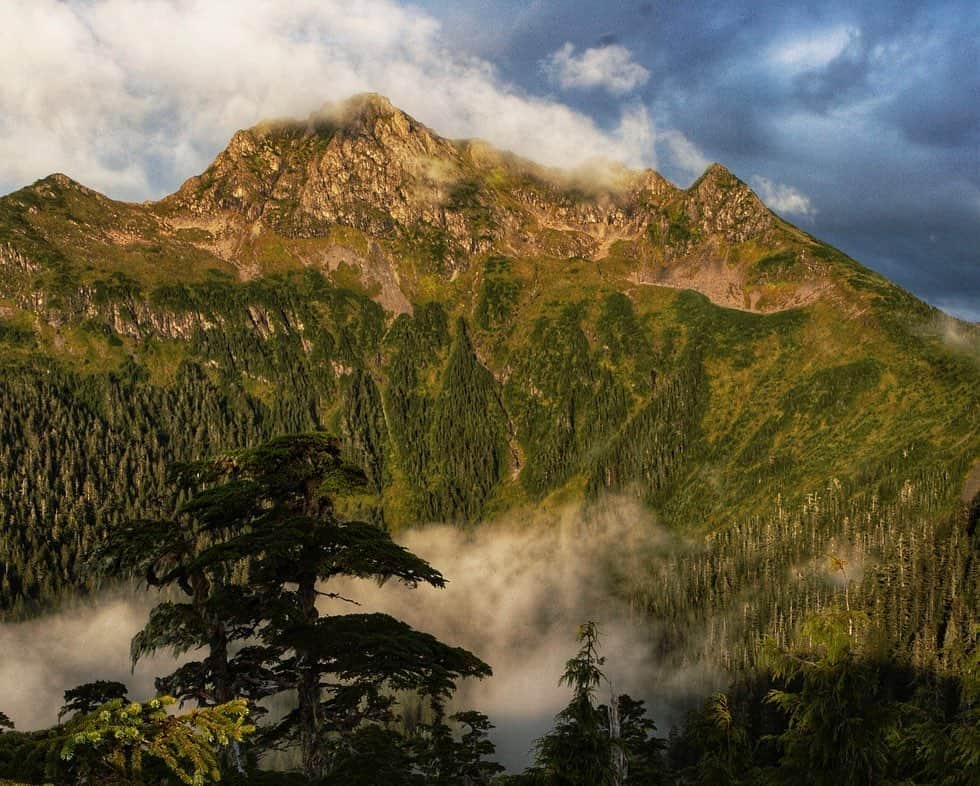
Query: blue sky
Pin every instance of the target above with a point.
(858, 121)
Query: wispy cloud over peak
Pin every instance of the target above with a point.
(609, 67)
(683, 152)
(782, 198)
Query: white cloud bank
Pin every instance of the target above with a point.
(44, 657)
(519, 587)
(132, 96)
(782, 198)
(610, 67)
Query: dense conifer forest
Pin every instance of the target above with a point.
(834, 697)
(438, 438)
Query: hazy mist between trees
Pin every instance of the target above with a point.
(42, 658)
(518, 588)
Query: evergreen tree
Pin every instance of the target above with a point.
(942, 744)
(272, 541)
(134, 744)
(218, 611)
(579, 750)
(841, 717)
(90, 696)
(445, 760)
(596, 743)
(642, 751)
(374, 755)
(714, 748)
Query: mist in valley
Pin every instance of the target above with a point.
(518, 588)
(42, 658)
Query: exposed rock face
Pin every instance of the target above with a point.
(369, 166)
(362, 164)
(719, 202)
(376, 270)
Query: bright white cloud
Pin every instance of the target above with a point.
(610, 67)
(782, 198)
(130, 96)
(813, 50)
(683, 152)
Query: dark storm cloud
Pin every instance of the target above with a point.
(940, 106)
(872, 110)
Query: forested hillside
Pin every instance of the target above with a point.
(485, 334)
(286, 691)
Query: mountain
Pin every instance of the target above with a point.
(489, 335)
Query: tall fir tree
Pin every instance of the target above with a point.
(255, 547)
(579, 750)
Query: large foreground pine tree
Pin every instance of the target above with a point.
(255, 545)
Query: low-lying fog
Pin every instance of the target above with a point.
(517, 591)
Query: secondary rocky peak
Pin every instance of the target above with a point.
(718, 173)
(656, 185)
(719, 202)
(62, 180)
(59, 183)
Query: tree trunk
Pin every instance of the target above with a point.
(308, 687)
(218, 663)
(217, 660)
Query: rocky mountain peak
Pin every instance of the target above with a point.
(719, 202)
(370, 115)
(334, 167)
(359, 114)
(718, 173)
(365, 165)
(62, 181)
(656, 185)
(58, 184)
(361, 109)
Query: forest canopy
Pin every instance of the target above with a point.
(257, 538)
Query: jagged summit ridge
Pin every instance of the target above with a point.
(369, 122)
(416, 200)
(364, 163)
